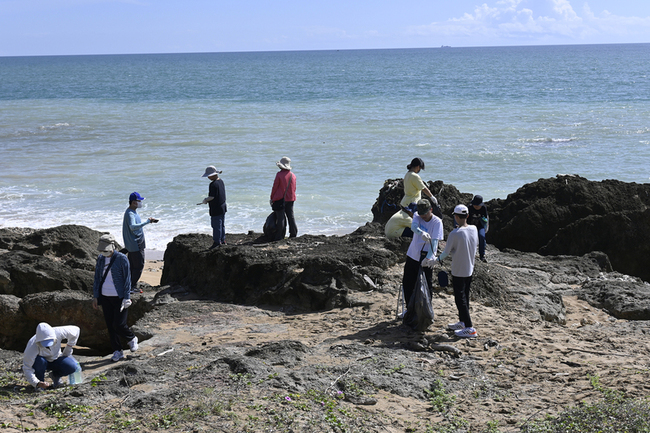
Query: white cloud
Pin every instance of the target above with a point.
(514, 21)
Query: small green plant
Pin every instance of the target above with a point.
(492, 426)
(95, 381)
(438, 397)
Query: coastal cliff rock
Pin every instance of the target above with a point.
(304, 273)
(52, 259)
(573, 215)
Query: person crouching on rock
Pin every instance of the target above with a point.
(43, 353)
(427, 231)
(112, 290)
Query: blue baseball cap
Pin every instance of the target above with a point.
(135, 196)
(47, 343)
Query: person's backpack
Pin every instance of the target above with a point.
(419, 312)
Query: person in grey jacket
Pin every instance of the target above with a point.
(112, 290)
(43, 352)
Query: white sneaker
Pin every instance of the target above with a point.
(401, 315)
(466, 333)
(456, 326)
(133, 344)
(117, 355)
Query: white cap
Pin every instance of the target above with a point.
(461, 209)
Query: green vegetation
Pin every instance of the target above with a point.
(614, 413)
(438, 397)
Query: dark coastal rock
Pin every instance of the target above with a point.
(76, 245)
(573, 215)
(22, 273)
(535, 283)
(306, 273)
(53, 259)
(13, 326)
(621, 296)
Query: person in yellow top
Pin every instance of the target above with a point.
(413, 184)
(400, 223)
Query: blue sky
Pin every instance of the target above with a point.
(54, 27)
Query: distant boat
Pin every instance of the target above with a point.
(446, 46)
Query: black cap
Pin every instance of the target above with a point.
(477, 200)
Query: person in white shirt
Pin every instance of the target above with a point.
(43, 353)
(427, 231)
(461, 247)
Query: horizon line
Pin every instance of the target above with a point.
(320, 50)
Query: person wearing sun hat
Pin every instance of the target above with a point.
(43, 352)
(216, 200)
(283, 195)
(461, 247)
(112, 290)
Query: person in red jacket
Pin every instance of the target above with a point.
(283, 195)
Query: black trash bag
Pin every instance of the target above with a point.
(272, 229)
(419, 312)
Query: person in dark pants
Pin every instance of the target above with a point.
(216, 200)
(427, 231)
(112, 290)
(461, 247)
(478, 217)
(283, 195)
(133, 237)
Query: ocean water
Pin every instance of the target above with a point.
(78, 134)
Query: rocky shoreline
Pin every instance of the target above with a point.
(301, 334)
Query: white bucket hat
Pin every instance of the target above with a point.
(211, 170)
(106, 243)
(284, 163)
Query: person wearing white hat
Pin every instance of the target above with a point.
(461, 247)
(216, 200)
(112, 290)
(43, 352)
(283, 195)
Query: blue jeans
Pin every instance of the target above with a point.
(62, 366)
(481, 242)
(218, 228)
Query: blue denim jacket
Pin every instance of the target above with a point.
(120, 272)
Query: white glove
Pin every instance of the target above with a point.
(428, 263)
(67, 351)
(426, 236)
(126, 303)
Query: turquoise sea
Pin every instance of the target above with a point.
(79, 133)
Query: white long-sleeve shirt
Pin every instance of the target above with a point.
(34, 347)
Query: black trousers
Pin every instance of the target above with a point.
(136, 263)
(411, 269)
(461, 296)
(116, 321)
(284, 216)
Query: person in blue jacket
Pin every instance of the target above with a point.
(133, 236)
(112, 290)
